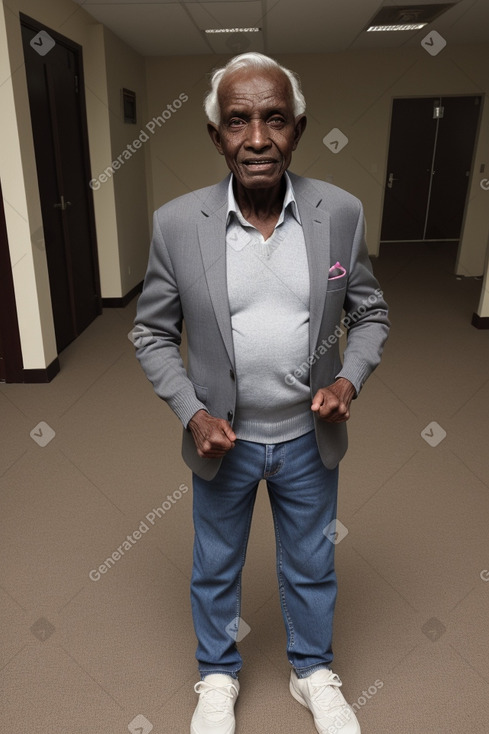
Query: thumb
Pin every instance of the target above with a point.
(318, 400)
(229, 432)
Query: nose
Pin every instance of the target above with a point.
(258, 137)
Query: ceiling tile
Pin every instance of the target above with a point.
(152, 29)
(325, 27)
(171, 27)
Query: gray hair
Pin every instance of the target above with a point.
(250, 60)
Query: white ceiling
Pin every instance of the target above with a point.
(175, 27)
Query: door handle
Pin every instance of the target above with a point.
(63, 205)
(391, 180)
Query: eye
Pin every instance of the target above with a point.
(236, 122)
(276, 121)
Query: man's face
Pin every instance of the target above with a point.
(257, 132)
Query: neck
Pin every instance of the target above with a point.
(260, 204)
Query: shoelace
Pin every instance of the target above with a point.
(213, 702)
(319, 687)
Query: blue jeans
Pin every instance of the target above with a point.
(303, 498)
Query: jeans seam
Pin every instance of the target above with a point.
(243, 559)
(281, 586)
(280, 464)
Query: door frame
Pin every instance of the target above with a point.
(36, 26)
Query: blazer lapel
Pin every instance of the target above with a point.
(316, 228)
(212, 240)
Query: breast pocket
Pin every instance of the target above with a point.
(336, 284)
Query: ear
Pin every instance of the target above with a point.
(215, 136)
(300, 126)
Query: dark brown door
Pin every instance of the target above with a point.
(430, 159)
(55, 83)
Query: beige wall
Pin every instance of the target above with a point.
(120, 204)
(126, 69)
(351, 91)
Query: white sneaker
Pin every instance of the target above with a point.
(320, 693)
(215, 711)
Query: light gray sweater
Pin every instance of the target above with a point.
(268, 291)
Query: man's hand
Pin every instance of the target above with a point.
(332, 403)
(213, 436)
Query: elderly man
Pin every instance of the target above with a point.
(262, 267)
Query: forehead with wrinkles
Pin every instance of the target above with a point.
(255, 87)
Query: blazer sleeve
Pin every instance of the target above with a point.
(157, 333)
(366, 319)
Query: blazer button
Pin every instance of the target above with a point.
(231, 375)
(230, 415)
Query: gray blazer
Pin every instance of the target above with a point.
(186, 281)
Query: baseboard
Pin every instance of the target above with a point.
(124, 300)
(480, 322)
(41, 375)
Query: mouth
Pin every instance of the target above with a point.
(259, 164)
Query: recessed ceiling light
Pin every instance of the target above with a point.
(406, 17)
(400, 27)
(232, 30)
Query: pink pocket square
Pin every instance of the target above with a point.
(336, 271)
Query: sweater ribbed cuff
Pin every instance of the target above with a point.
(185, 406)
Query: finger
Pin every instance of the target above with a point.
(219, 441)
(229, 433)
(318, 401)
(338, 417)
(214, 452)
(328, 407)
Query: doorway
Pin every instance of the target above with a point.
(54, 69)
(429, 164)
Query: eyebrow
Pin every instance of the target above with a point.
(235, 112)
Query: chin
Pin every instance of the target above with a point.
(259, 182)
